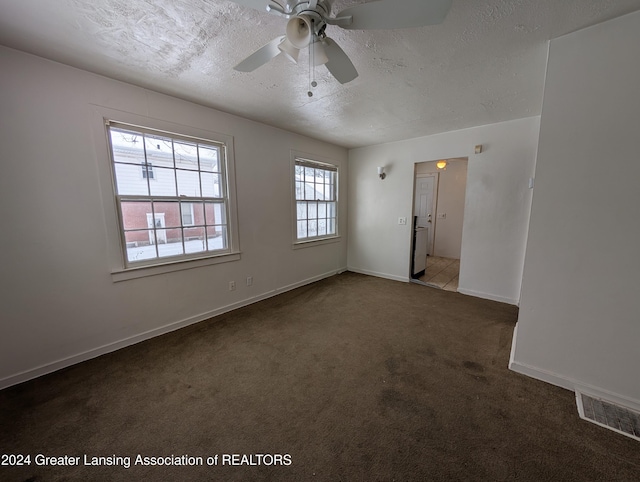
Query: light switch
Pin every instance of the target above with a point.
(442, 215)
(402, 221)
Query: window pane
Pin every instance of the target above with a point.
(309, 174)
(209, 213)
(211, 185)
(129, 180)
(167, 214)
(322, 227)
(209, 159)
(331, 228)
(215, 213)
(328, 192)
(302, 229)
(188, 183)
(312, 228)
(309, 192)
(159, 150)
(198, 213)
(322, 210)
(331, 210)
(312, 210)
(127, 146)
(216, 238)
(186, 155)
(299, 190)
(140, 245)
(134, 214)
(172, 245)
(195, 240)
(301, 210)
(163, 182)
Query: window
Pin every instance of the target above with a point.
(178, 208)
(316, 200)
(147, 170)
(187, 214)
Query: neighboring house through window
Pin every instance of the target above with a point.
(178, 208)
(316, 200)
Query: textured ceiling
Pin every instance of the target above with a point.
(485, 63)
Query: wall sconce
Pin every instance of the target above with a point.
(381, 172)
(442, 165)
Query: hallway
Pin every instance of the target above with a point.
(441, 273)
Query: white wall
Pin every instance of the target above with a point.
(452, 183)
(497, 205)
(58, 301)
(579, 322)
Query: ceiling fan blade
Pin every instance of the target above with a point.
(390, 14)
(260, 56)
(255, 4)
(339, 64)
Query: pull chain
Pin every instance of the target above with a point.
(312, 67)
(311, 72)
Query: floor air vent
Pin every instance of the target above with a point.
(609, 415)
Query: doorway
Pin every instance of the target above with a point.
(425, 197)
(438, 203)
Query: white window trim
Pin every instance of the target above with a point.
(308, 243)
(116, 250)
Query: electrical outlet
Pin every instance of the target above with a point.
(249, 280)
(232, 285)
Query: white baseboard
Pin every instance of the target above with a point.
(489, 296)
(132, 340)
(571, 384)
(404, 279)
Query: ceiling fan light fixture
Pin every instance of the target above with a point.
(300, 31)
(289, 51)
(318, 53)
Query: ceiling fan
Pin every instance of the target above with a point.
(309, 19)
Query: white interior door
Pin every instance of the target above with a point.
(425, 202)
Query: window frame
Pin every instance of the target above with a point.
(310, 160)
(120, 268)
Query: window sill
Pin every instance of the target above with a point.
(170, 267)
(316, 242)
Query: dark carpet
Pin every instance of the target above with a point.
(352, 378)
